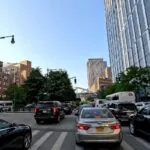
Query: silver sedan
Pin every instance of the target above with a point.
(97, 125)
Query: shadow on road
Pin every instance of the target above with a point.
(95, 146)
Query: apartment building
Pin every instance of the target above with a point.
(13, 73)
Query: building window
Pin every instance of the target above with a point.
(139, 48)
(127, 4)
(136, 24)
(142, 63)
(131, 30)
(147, 11)
(132, 2)
(141, 16)
(145, 42)
(147, 58)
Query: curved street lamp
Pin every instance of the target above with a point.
(11, 36)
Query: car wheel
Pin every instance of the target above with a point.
(132, 128)
(38, 121)
(58, 119)
(78, 143)
(117, 145)
(27, 141)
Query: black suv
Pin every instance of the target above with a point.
(123, 111)
(140, 122)
(48, 110)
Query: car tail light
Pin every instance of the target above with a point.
(83, 126)
(115, 126)
(54, 109)
(36, 109)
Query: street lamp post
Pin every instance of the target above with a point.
(11, 36)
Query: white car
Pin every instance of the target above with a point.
(141, 105)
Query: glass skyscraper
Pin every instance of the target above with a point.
(128, 33)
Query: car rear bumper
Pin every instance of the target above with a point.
(44, 117)
(99, 138)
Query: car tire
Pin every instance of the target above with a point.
(78, 143)
(132, 128)
(58, 119)
(117, 145)
(38, 121)
(27, 141)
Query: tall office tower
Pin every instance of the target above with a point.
(128, 33)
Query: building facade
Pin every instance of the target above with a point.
(128, 33)
(95, 68)
(13, 73)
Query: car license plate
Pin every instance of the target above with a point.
(99, 129)
(44, 111)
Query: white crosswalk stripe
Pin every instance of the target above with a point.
(41, 141)
(35, 132)
(61, 137)
(59, 142)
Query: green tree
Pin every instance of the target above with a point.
(16, 94)
(34, 85)
(58, 86)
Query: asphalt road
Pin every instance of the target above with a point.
(61, 136)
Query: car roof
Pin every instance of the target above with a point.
(94, 108)
(122, 103)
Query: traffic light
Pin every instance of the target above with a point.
(75, 80)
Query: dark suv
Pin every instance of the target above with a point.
(140, 122)
(48, 110)
(123, 111)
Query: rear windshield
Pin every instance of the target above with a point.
(147, 103)
(127, 106)
(96, 113)
(84, 106)
(45, 105)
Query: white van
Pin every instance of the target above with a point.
(6, 105)
(125, 96)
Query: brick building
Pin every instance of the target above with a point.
(11, 73)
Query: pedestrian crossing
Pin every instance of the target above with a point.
(57, 140)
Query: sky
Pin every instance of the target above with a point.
(54, 34)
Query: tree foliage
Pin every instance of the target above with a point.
(58, 86)
(134, 79)
(16, 94)
(33, 85)
(55, 85)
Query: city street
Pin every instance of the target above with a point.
(61, 136)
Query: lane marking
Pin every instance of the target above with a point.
(143, 142)
(41, 140)
(35, 132)
(78, 147)
(126, 146)
(59, 142)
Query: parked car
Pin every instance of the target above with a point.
(140, 122)
(98, 125)
(1, 107)
(141, 105)
(67, 108)
(123, 111)
(48, 110)
(14, 136)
